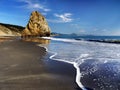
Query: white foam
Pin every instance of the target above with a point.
(75, 52)
(78, 74)
(94, 50)
(59, 39)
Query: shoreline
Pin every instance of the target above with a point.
(78, 75)
(80, 86)
(20, 69)
(75, 65)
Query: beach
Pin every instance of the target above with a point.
(26, 66)
(44, 64)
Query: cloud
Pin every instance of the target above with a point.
(34, 4)
(82, 31)
(66, 17)
(62, 18)
(43, 13)
(115, 32)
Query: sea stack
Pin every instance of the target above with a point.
(37, 26)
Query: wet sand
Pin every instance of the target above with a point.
(25, 66)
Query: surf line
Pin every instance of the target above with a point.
(78, 74)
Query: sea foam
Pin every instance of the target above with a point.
(77, 52)
(78, 74)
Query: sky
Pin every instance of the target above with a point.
(89, 17)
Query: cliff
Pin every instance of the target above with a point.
(37, 26)
(10, 30)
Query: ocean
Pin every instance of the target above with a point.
(97, 63)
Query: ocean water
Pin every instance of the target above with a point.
(97, 64)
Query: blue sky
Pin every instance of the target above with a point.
(94, 17)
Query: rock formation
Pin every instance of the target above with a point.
(37, 26)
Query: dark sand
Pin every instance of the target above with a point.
(24, 66)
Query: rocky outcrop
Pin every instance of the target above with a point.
(37, 26)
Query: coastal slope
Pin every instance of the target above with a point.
(10, 30)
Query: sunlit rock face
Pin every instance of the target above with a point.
(37, 26)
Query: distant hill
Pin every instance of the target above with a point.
(10, 30)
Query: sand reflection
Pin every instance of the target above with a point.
(3, 39)
(38, 40)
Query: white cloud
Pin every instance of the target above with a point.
(115, 32)
(43, 13)
(34, 4)
(82, 31)
(63, 18)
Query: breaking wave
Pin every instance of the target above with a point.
(77, 52)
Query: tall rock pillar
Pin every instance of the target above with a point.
(37, 26)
